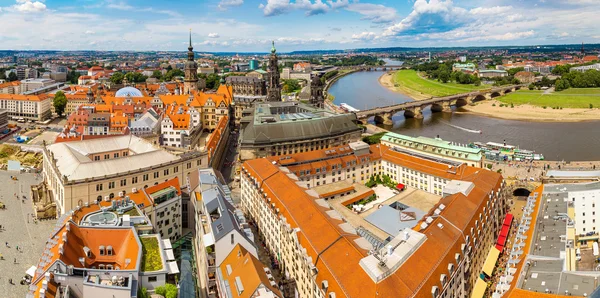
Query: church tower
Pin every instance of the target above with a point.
(273, 88)
(190, 82)
(317, 98)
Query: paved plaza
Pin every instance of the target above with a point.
(18, 229)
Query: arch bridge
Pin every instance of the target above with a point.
(414, 109)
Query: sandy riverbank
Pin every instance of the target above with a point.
(531, 113)
(520, 112)
(387, 80)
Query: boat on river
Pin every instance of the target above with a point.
(348, 108)
(504, 152)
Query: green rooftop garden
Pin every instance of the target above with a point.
(151, 258)
(132, 212)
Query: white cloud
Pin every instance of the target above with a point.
(374, 12)
(124, 6)
(213, 35)
(364, 36)
(491, 10)
(430, 16)
(311, 7)
(119, 5)
(29, 6)
(225, 4)
(89, 32)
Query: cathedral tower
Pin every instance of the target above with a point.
(190, 82)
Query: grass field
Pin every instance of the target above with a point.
(411, 82)
(570, 98)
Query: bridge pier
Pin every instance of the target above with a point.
(415, 112)
(446, 107)
(384, 118)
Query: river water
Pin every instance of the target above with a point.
(578, 141)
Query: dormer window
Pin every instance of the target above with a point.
(102, 250)
(109, 250)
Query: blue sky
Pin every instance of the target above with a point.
(250, 25)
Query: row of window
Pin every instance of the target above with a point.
(145, 177)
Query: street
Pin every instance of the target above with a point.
(230, 163)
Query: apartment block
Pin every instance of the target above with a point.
(329, 250)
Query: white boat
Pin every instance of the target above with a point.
(348, 107)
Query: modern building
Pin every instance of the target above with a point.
(87, 171)
(272, 128)
(273, 87)
(220, 229)
(28, 85)
(491, 73)
(464, 67)
(29, 107)
(103, 249)
(3, 119)
(331, 252)
(586, 67)
(435, 148)
(162, 204)
(253, 64)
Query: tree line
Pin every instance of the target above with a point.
(576, 79)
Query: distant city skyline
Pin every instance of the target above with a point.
(250, 25)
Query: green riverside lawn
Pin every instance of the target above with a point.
(409, 80)
(570, 98)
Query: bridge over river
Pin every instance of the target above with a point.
(413, 109)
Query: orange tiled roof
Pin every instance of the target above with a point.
(111, 99)
(339, 263)
(10, 84)
(180, 121)
(123, 241)
(215, 137)
(249, 269)
(180, 100)
(38, 97)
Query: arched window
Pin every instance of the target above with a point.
(112, 195)
(99, 199)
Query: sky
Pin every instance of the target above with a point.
(251, 25)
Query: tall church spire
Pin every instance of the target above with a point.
(190, 82)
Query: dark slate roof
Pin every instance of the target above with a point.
(298, 130)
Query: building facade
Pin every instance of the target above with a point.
(436, 147)
(29, 107)
(87, 171)
(247, 86)
(220, 227)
